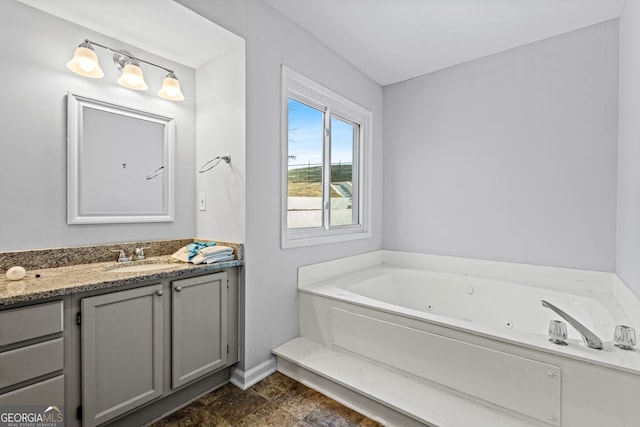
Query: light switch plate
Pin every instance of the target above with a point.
(202, 201)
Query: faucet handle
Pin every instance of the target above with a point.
(121, 255)
(140, 253)
(625, 337)
(558, 332)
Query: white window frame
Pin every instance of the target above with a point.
(303, 89)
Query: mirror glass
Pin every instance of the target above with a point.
(120, 163)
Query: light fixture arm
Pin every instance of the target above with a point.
(128, 55)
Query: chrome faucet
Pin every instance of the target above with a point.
(590, 339)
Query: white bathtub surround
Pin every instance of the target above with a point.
(475, 334)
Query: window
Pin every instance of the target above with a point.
(326, 141)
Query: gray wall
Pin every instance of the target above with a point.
(35, 48)
(221, 130)
(628, 232)
(271, 310)
(511, 157)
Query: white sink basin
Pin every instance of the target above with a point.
(138, 268)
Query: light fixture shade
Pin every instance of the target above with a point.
(85, 62)
(132, 77)
(171, 88)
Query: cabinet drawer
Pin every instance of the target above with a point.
(45, 393)
(29, 362)
(25, 323)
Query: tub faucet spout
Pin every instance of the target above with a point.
(590, 339)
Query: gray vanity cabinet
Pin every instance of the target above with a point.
(148, 342)
(122, 352)
(199, 327)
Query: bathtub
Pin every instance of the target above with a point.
(478, 330)
(493, 308)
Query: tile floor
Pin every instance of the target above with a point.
(276, 401)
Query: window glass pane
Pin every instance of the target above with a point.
(305, 153)
(343, 144)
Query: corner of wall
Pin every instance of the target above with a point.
(628, 200)
(628, 300)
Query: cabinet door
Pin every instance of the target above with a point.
(121, 352)
(199, 327)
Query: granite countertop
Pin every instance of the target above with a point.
(73, 279)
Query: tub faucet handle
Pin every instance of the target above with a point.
(625, 337)
(558, 332)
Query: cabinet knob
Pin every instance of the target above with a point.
(178, 288)
(159, 293)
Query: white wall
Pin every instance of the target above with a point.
(271, 310)
(35, 48)
(271, 273)
(220, 124)
(511, 157)
(628, 231)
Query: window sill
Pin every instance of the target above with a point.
(301, 241)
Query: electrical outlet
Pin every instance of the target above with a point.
(202, 201)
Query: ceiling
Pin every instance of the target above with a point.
(389, 40)
(162, 27)
(396, 40)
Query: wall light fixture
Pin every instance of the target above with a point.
(85, 62)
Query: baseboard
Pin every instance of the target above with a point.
(245, 379)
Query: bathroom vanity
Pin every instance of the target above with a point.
(114, 347)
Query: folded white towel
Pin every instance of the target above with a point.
(211, 250)
(219, 259)
(224, 253)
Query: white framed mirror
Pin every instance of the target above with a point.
(120, 166)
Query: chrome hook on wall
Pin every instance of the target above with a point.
(217, 159)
